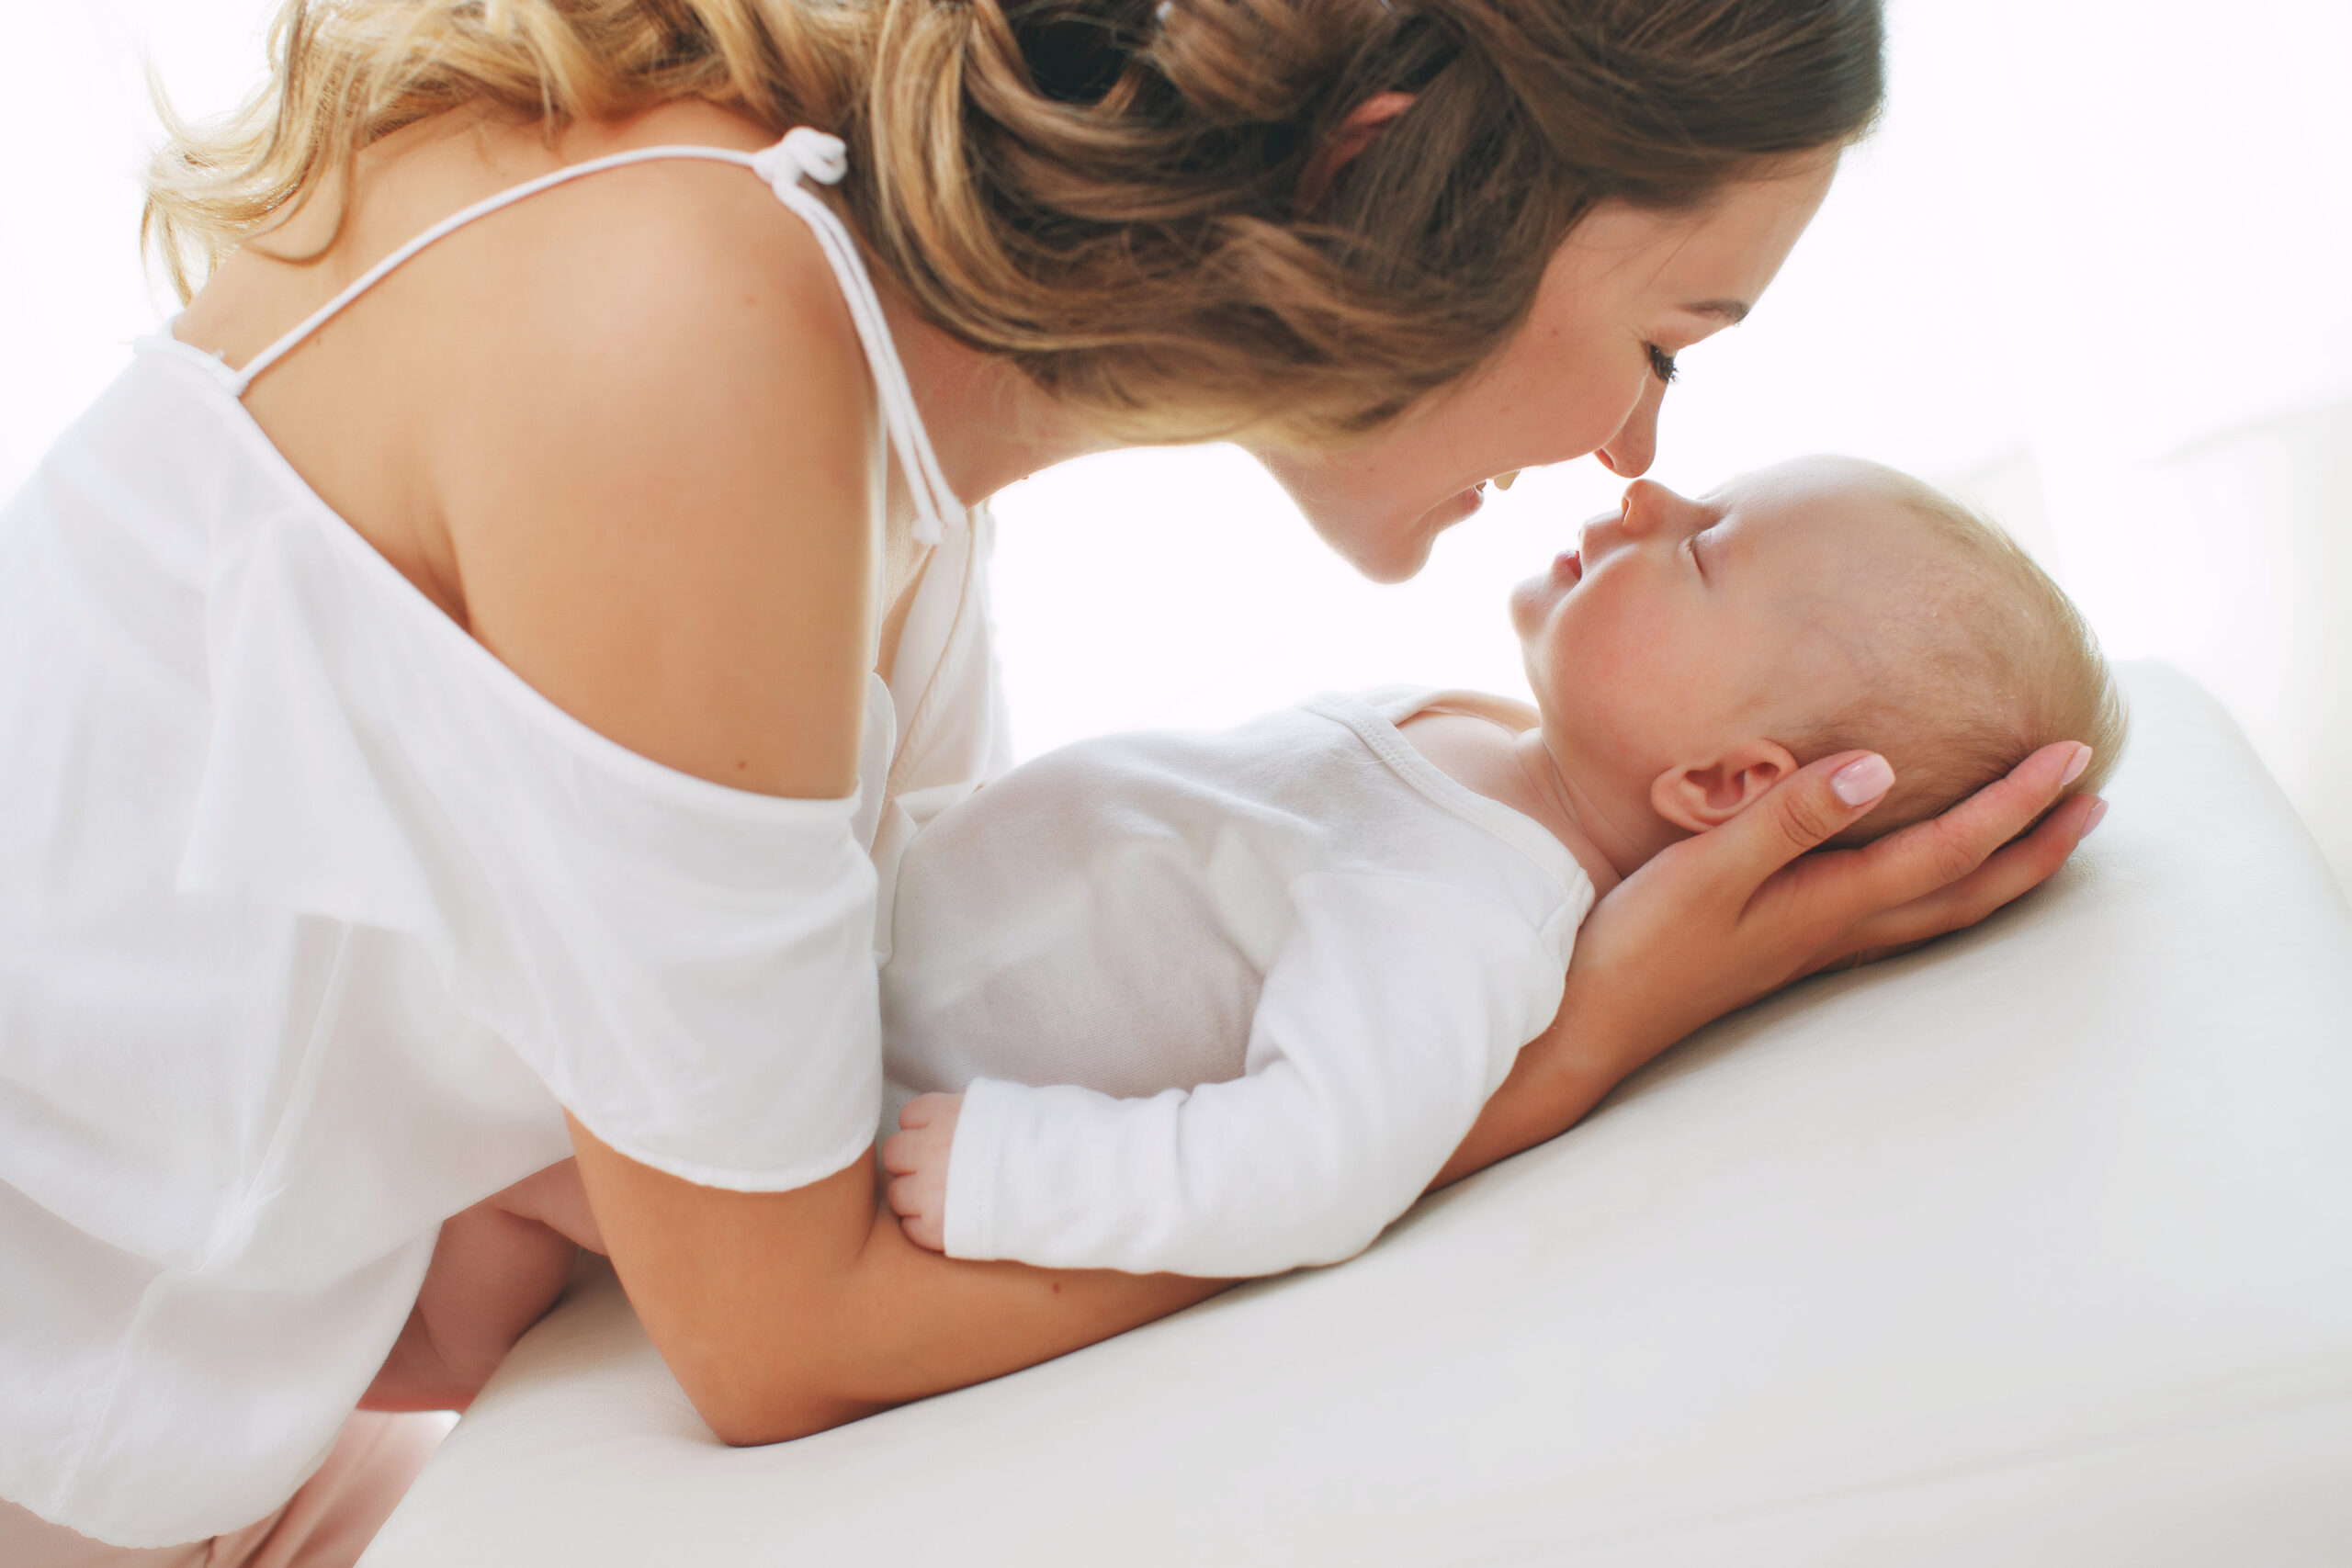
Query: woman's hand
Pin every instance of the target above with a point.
(1716, 921)
(1721, 919)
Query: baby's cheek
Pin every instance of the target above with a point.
(1599, 643)
(1633, 694)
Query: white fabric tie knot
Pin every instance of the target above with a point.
(804, 149)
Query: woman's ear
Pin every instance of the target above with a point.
(1707, 796)
(1366, 121)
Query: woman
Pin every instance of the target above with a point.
(465, 709)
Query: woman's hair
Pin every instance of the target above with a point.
(1108, 192)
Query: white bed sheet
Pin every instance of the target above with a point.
(2031, 1249)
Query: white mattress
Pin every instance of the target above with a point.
(2031, 1249)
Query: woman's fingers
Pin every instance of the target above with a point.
(1927, 856)
(1810, 806)
(2009, 873)
(1722, 918)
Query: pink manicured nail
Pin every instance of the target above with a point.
(1862, 780)
(2098, 815)
(2074, 769)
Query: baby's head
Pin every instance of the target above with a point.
(1691, 654)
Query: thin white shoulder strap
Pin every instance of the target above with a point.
(803, 151)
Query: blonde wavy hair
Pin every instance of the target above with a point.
(1114, 193)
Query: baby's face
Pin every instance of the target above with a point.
(1679, 629)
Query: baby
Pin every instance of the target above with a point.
(1266, 979)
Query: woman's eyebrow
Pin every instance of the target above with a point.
(1732, 310)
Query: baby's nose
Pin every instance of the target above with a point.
(1648, 507)
(1632, 518)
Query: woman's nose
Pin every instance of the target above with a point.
(1630, 452)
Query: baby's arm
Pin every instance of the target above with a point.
(496, 1268)
(1392, 1011)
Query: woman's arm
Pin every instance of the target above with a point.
(1721, 919)
(782, 1313)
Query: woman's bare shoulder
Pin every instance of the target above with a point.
(622, 430)
(660, 277)
(655, 451)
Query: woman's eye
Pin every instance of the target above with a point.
(1662, 364)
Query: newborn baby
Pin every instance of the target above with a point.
(1265, 980)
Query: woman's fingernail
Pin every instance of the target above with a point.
(1862, 780)
(2074, 769)
(2098, 815)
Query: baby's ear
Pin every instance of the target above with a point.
(1709, 794)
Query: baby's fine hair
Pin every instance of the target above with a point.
(1986, 664)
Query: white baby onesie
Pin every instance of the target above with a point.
(1264, 979)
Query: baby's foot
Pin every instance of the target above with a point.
(916, 1157)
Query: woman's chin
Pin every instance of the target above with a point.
(1394, 549)
(1413, 550)
(1460, 509)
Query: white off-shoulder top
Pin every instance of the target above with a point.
(314, 919)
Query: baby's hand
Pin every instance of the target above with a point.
(916, 1157)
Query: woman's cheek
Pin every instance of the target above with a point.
(1582, 402)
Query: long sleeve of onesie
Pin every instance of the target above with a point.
(1390, 1012)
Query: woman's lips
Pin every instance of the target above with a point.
(1569, 567)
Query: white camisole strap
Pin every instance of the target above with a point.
(804, 152)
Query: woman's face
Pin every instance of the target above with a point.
(1626, 291)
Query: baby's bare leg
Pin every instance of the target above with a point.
(496, 1269)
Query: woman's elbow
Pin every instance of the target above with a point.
(747, 1418)
(753, 1393)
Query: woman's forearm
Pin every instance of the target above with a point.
(1557, 1078)
(782, 1313)
(925, 1323)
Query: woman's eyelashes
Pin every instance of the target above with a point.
(1662, 364)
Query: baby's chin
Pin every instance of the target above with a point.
(1531, 603)
(1525, 606)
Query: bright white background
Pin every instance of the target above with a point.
(2094, 272)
